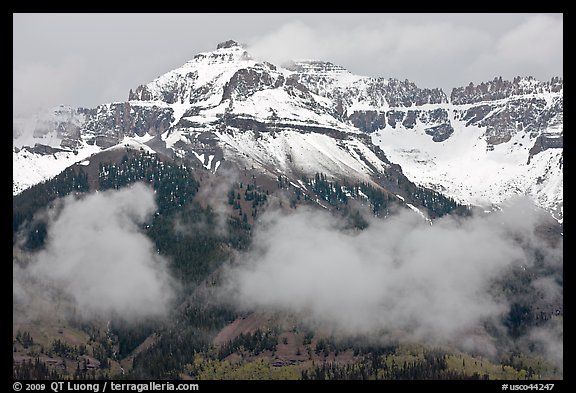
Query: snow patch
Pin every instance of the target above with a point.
(210, 158)
(200, 157)
(463, 167)
(29, 168)
(414, 208)
(136, 143)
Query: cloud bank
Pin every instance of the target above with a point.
(97, 256)
(401, 275)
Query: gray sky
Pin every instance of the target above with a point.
(89, 59)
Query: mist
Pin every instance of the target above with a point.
(97, 259)
(400, 278)
(214, 192)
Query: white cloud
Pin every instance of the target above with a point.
(400, 275)
(97, 256)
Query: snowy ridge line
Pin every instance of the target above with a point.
(31, 168)
(322, 118)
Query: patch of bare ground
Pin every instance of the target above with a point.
(127, 362)
(290, 348)
(50, 330)
(243, 325)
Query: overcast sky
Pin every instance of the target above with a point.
(89, 59)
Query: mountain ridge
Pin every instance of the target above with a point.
(203, 108)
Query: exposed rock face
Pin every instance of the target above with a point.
(43, 149)
(395, 117)
(499, 89)
(390, 99)
(227, 44)
(248, 81)
(112, 122)
(440, 133)
(180, 90)
(70, 135)
(406, 94)
(368, 121)
(505, 108)
(544, 142)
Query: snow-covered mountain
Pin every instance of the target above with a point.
(503, 138)
(479, 146)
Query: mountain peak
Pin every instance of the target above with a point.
(227, 44)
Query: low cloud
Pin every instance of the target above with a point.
(548, 340)
(97, 258)
(214, 192)
(401, 276)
